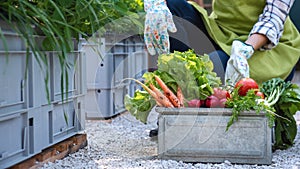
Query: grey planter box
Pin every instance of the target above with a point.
(39, 128)
(122, 57)
(198, 135)
(55, 76)
(14, 138)
(29, 121)
(105, 103)
(63, 121)
(13, 83)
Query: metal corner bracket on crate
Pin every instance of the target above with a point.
(199, 135)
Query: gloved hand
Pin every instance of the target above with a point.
(157, 23)
(237, 65)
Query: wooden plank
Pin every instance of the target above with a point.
(55, 152)
(26, 164)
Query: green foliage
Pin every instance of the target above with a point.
(70, 17)
(139, 105)
(287, 104)
(121, 16)
(282, 101)
(191, 72)
(250, 102)
(60, 22)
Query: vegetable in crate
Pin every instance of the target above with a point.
(285, 98)
(169, 94)
(249, 102)
(212, 102)
(219, 99)
(194, 103)
(180, 96)
(161, 99)
(280, 101)
(186, 72)
(221, 93)
(244, 85)
(139, 105)
(192, 72)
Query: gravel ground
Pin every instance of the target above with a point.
(123, 142)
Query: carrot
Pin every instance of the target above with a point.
(159, 104)
(152, 93)
(180, 96)
(172, 97)
(162, 99)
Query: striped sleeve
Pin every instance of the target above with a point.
(271, 21)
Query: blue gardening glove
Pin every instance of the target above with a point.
(157, 23)
(237, 65)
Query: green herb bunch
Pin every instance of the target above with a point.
(249, 102)
(282, 101)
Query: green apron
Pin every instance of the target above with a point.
(234, 19)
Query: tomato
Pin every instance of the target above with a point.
(261, 94)
(244, 85)
(221, 93)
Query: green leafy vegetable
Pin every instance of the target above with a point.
(139, 105)
(281, 103)
(273, 89)
(191, 72)
(286, 104)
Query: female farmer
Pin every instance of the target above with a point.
(253, 38)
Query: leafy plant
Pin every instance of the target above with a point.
(249, 102)
(286, 99)
(191, 72)
(139, 105)
(123, 16)
(282, 101)
(60, 23)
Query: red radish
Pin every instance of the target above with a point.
(202, 103)
(261, 94)
(212, 101)
(221, 93)
(194, 103)
(244, 85)
(223, 102)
